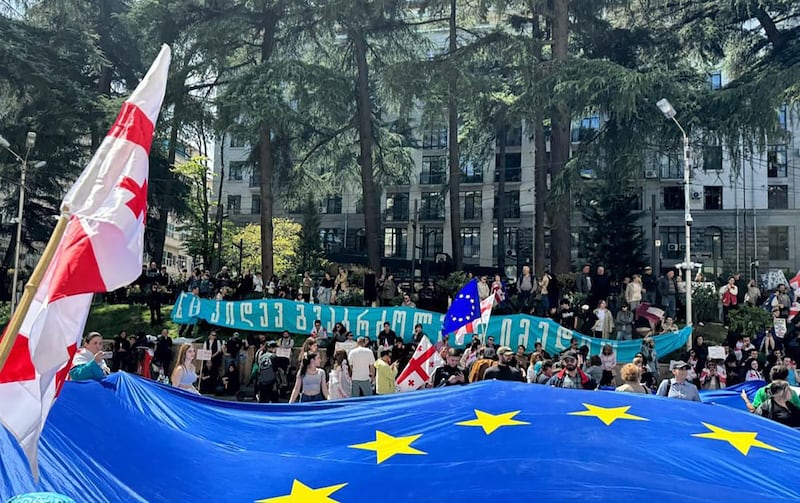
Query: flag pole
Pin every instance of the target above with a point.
(14, 324)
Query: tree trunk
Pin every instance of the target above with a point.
(372, 219)
(454, 182)
(159, 234)
(501, 191)
(266, 159)
(541, 167)
(560, 231)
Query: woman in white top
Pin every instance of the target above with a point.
(184, 375)
(341, 382)
(633, 292)
(605, 321)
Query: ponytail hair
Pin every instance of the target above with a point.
(310, 355)
(90, 336)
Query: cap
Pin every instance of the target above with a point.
(504, 350)
(236, 334)
(648, 268)
(680, 364)
(569, 354)
(272, 344)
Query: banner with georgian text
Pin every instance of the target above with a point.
(276, 315)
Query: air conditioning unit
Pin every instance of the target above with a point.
(672, 247)
(697, 194)
(650, 173)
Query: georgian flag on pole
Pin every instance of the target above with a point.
(98, 247)
(420, 369)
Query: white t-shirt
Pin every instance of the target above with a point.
(360, 360)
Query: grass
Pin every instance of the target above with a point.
(109, 319)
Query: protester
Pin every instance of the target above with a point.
(120, 352)
(88, 363)
(631, 377)
(571, 376)
(624, 323)
(310, 385)
(385, 374)
(450, 374)
(184, 375)
(678, 386)
(608, 361)
(779, 406)
(503, 371)
(363, 363)
(267, 378)
(341, 384)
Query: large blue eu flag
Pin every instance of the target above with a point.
(129, 439)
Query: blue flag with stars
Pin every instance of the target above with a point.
(466, 307)
(130, 439)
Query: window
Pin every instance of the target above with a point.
(778, 197)
(255, 178)
(235, 170)
(512, 204)
(357, 240)
(435, 138)
(360, 206)
(332, 205)
(331, 239)
(471, 202)
(255, 204)
(782, 117)
(395, 242)
(586, 129)
(713, 242)
(434, 170)
(234, 204)
(669, 166)
(396, 207)
(513, 167)
(715, 80)
(432, 206)
(673, 198)
(712, 158)
(432, 242)
(509, 242)
(514, 137)
(776, 161)
(471, 238)
(673, 242)
(238, 142)
(170, 229)
(778, 242)
(712, 197)
(470, 172)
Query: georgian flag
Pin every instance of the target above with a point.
(101, 250)
(794, 284)
(419, 370)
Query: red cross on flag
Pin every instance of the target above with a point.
(100, 249)
(421, 367)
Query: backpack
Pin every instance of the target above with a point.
(669, 387)
(266, 372)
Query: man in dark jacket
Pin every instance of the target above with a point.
(503, 371)
(649, 286)
(667, 291)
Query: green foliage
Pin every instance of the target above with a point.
(705, 303)
(453, 283)
(310, 241)
(749, 320)
(615, 239)
(352, 297)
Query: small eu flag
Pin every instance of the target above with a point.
(466, 307)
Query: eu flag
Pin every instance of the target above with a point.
(130, 439)
(466, 307)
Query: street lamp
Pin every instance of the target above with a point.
(669, 112)
(30, 142)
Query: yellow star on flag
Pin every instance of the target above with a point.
(490, 422)
(386, 446)
(607, 414)
(301, 493)
(741, 440)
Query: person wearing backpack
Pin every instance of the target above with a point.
(266, 389)
(678, 387)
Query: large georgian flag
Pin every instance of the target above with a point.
(101, 250)
(420, 368)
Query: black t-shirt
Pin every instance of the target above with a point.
(789, 415)
(387, 338)
(443, 374)
(503, 373)
(234, 345)
(566, 318)
(121, 344)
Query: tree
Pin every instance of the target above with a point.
(287, 247)
(310, 242)
(198, 227)
(614, 239)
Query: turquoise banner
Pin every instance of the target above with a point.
(269, 315)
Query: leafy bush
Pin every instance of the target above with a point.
(453, 283)
(705, 302)
(351, 297)
(566, 283)
(749, 320)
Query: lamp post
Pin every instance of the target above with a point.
(30, 142)
(669, 112)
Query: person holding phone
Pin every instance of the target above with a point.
(89, 362)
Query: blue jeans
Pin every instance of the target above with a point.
(669, 305)
(623, 336)
(311, 398)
